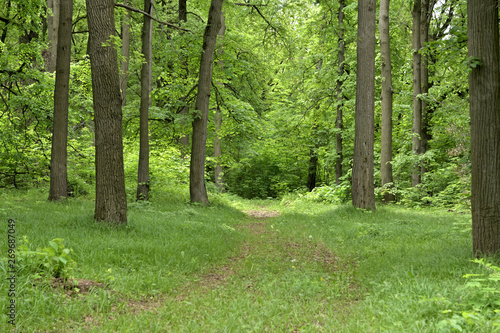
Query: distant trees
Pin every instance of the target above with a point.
(484, 85)
(111, 199)
(362, 171)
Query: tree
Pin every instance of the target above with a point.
(143, 168)
(339, 123)
(484, 85)
(218, 174)
(417, 91)
(111, 198)
(197, 189)
(58, 158)
(386, 100)
(125, 54)
(363, 195)
(52, 32)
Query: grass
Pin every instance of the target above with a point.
(185, 268)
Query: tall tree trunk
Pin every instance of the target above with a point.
(125, 54)
(484, 85)
(147, 41)
(339, 122)
(219, 179)
(386, 126)
(184, 140)
(111, 198)
(424, 72)
(197, 189)
(53, 30)
(58, 159)
(363, 195)
(417, 90)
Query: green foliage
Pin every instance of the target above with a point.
(54, 260)
(479, 308)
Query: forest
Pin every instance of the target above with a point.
(267, 165)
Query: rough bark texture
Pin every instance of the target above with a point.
(339, 122)
(363, 195)
(484, 83)
(53, 30)
(111, 199)
(386, 96)
(197, 189)
(125, 54)
(147, 44)
(417, 90)
(58, 160)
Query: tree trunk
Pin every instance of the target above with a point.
(312, 170)
(363, 195)
(218, 173)
(386, 96)
(125, 54)
(424, 72)
(53, 30)
(339, 123)
(111, 199)
(484, 85)
(143, 168)
(197, 189)
(417, 90)
(58, 159)
(184, 140)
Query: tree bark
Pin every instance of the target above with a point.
(197, 189)
(147, 41)
(417, 90)
(111, 199)
(386, 97)
(59, 153)
(184, 140)
(484, 85)
(363, 195)
(339, 122)
(125, 54)
(425, 17)
(218, 172)
(53, 30)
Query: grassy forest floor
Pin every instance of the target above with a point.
(246, 266)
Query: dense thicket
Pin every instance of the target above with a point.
(278, 94)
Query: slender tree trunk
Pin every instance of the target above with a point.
(184, 140)
(424, 72)
(111, 198)
(125, 54)
(58, 159)
(197, 189)
(417, 90)
(147, 41)
(218, 172)
(312, 170)
(386, 126)
(363, 195)
(339, 122)
(484, 85)
(53, 30)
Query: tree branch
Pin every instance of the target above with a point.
(151, 17)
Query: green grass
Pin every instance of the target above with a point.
(186, 268)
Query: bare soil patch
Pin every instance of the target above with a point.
(262, 214)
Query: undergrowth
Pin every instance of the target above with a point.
(311, 267)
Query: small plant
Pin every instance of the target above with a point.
(54, 260)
